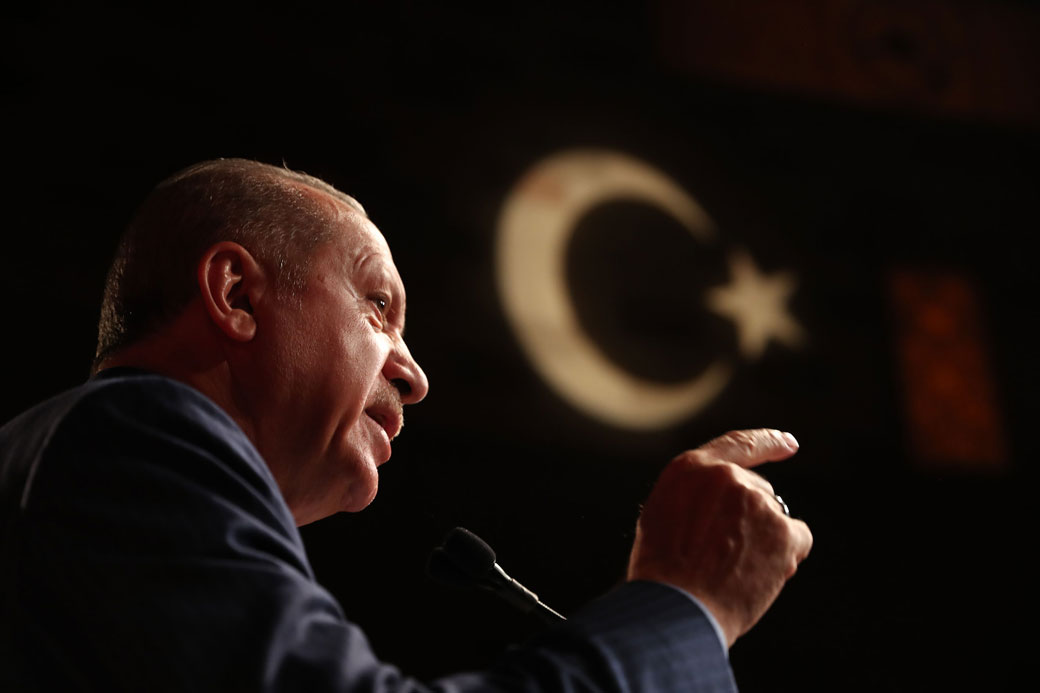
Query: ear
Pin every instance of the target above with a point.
(231, 282)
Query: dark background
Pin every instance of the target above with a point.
(840, 140)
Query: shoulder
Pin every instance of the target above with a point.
(152, 531)
(136, 431)
(124, 402)
(142, 405)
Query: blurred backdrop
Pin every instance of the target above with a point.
(624, 228)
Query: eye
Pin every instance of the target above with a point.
(381, 302)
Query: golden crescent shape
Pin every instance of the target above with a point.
(535, 225)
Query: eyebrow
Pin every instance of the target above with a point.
(392, 279)
(398, 312)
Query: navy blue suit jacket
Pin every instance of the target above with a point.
(146, 547)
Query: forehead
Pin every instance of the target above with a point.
(359, 250)
(357, 238)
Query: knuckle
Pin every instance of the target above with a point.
(685, 458)
(766, 507)
(806, 539)
(745, 441)
(692, 458)
(797, 540)
(722, 475)
(739, 500)
(760, 481)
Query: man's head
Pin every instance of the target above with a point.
(274, 294)
(275, 212)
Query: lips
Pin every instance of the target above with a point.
(389, 420)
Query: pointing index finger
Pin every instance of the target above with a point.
(749, 448)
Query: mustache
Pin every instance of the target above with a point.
(386, 397)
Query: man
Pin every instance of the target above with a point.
(250, 377)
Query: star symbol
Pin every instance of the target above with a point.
(757, 305)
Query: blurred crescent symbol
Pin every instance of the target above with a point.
(534, 228)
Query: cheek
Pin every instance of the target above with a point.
(366, 350)
(357, 364)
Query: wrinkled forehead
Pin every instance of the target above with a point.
(350, 224)
(359, 237)
(362, 248)
(338, 202)
(356, 242)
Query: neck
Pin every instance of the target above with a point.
(187, 350)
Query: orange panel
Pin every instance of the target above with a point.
(949, 397)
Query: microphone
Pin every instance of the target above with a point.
(465, 560)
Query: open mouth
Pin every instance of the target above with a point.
(391, 422)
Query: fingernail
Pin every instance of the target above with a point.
(791, 441)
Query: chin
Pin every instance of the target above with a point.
(361, 489)
(356, 495)
(356, 500)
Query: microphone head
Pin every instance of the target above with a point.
(443, 569)
(464, 560)
(468, 552)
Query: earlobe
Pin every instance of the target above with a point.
(231, 283)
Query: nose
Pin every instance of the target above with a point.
(404, 373)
